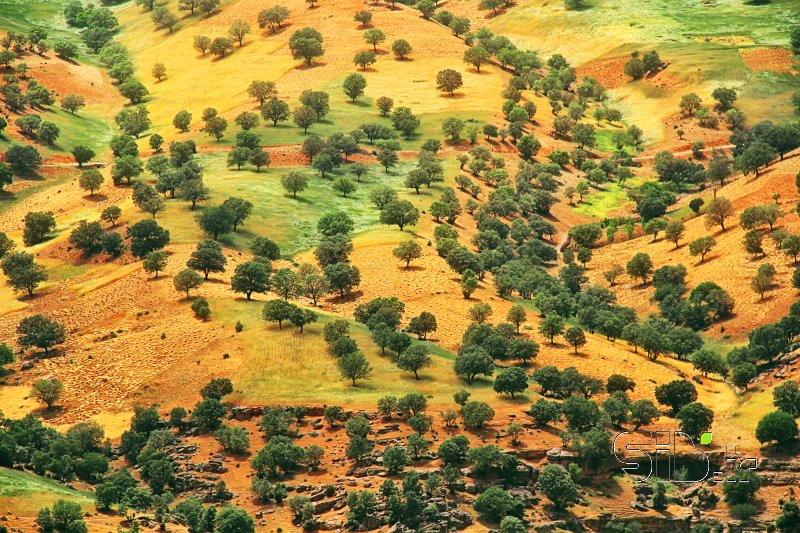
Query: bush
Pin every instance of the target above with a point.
(201, 308)
(495, 504)
(777, 426)
(232, 439)
(743, 511)
(475, 414)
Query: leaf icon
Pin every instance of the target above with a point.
(705, 438)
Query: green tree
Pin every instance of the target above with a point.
(551, 326)
(640, 266)
(786, 397)
(374, 36)
(275, 111)
(414, 358)
(147, 236)
(690, 103)
(408, 251)
(717, 211)
(556, 484)
(186, 280)
(676, 394)
(575, 337)
(422, 324)
(37, 226)
(250, 277)
(182, 121)
(306, 44)
(304, 117)
(695, 419)
(364, 59)
(88, 237)
(472, 361)
(354, 366)
(395, 459)
(82, 154)
(155, 262)
(343, 186)
(476, 56)
(701, 246)
(643, 412)
(448, 80)
(399, 212)
(22, 272)
(401, 49)
(475, 414)
(47, 391)
(777, 426)
(495, 504)
(216, 221)
(278, 311)
(207, 258)
(234, 520)
(511, 380)
(363, 17)
(41, 332)
(707, 361)
(354, 85)
(294, 182)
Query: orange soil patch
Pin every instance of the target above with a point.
(771, 59)
(68, 202)
(662, 79)
(692, 132)
(609, 71)
(64, 77)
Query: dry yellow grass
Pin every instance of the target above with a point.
(194, 82)
(728, 264)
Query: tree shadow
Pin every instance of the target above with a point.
(49, 413)
(96, 197)
(306, 66)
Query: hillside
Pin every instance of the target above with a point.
(428, 296)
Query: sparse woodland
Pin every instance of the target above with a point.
(392, 267)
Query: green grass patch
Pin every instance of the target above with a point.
(699, 38)
(22, 15)
(605, 140)
(291, 222)
(287, 366)
(601, 202)
(79, 129)
(26, 493)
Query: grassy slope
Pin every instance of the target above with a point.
(683, 32)
(26, 493)
(21, 15)
(84, 128)
(296, 367)
(290, 222)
